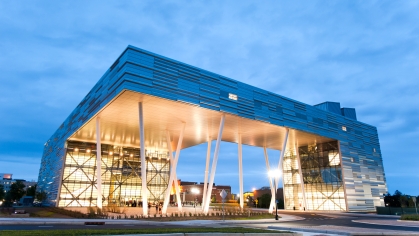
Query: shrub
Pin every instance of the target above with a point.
(410, 217)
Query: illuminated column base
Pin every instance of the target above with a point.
(143, 161)
(172, 177)
(214, 165)
(98, 165)
(204, 193)
(240, 154)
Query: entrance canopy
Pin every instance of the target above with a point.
(120, 125)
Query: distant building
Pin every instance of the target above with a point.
(188, 195)
(7, 180)
(267, 190)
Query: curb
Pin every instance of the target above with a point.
(409, 221)
(76, 222)
(217, 234)
(372, 223)
(339, 232)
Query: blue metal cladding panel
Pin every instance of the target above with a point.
(349, 112)
(145, 72)
(330, 106)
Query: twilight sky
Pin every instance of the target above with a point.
(363, 54)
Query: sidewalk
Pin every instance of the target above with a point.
(58, 221)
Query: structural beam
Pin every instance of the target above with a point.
(204, 193)
(173, 166)
(268, 169)
(281, 160)
(240, 155)
(300, 171)
(214, 164)
(98, 165)
(144, 192)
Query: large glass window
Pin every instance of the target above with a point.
(120, 174)
(322, 178)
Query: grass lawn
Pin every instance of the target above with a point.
(132, 231)
(410, 217)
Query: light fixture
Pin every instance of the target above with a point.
(274, 173)
(88, 150)
(76, 149)
(131, 155)
(111, 153)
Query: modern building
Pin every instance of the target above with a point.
(146, 108)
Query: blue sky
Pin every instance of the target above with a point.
(363, 54)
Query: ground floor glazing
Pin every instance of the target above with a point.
(120, 175)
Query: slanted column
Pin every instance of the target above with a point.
(214, 164)
(240, 154)
(204, 193)
(300, 171)
(143, 161)
(98, 165)
(281, 160)
(268, 169)
(173, 172)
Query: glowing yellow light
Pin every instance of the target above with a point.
(110, 153)
(88, 150)
(131, 155)
(76, 149)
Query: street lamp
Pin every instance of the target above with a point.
(275, 174)
(195, 191)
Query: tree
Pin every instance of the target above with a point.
(213, 200)
(31, 191)
(41, 196)
(2, 193)
(17, 190)
(265, 200)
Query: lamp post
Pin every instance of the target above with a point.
(195, 191)
(275, 174)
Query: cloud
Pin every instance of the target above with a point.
(362, 54)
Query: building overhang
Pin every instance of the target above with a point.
(119, 121)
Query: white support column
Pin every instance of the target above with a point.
(240, 154)
(300, 171)
(214, 164)
(173, 171)
(143, 161)
(204, 193)
(268, 169)
(281, 160)
(98, 165)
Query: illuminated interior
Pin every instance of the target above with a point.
(322, 178)
(121, 175)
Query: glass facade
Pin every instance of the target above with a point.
(120, 171)
(322, 178)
